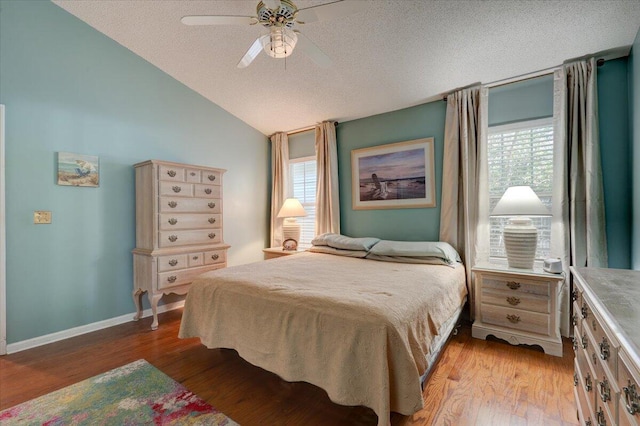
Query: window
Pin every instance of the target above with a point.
(521, 154)
(302, 185)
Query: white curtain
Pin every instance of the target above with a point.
(578, 234)
(279, 183)
(464, 216)
(327, 193)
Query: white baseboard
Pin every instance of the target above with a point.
(77, 331)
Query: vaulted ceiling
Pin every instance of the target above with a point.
(390, 55)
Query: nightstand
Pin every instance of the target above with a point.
(518, 305)
(273, 252)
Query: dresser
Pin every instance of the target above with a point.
(178, 229)
(606, 342)
(518, 305)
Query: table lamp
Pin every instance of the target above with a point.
(519, 203)
(291, 228)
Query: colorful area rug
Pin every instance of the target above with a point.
(135, 394)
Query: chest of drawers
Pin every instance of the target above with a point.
(178, 229)
(606, 321)
(519, 306)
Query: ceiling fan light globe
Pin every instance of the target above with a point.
(279, 43)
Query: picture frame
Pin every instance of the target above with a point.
(394, 176)
(289, 245)
(78, 170)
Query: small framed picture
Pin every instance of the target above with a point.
(290, 244)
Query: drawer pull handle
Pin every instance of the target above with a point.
(211, 205)
(594, 358)
(593, 325)
(574, 320)
(575, 343)
(192, 173)
(208, 191)
(215, 256)
(212, 177)
(171, 173)
(173, 262)
(173, 221)
(176, 189)
(588, 384)
(600, 417)
(605, 391)
(172, 279)
(173, 238)
(513, 285)
(212, 235)
(195, 258)
(584, 310)
(513, 318)
(575, 379)
(513, 300)
(631, 400)
(574, 295)
(212, 220)
(588, 422)
(173, 204)
(584, 341)
(604, 349)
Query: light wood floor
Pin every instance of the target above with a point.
(476, 382)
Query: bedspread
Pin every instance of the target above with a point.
(360, 329)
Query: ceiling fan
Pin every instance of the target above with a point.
(280, 17)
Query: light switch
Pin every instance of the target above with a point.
(41, 217)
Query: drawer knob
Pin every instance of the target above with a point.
(173, 221)
(574, 320)
(588, 422)
(514, 319)
(631, 400)
(173, 238)
(176, 189)
(584, 310)
(588, 384)
(513, 300)
(593, 325)
(212, 177)
(574, 342)
(171, 173)
(600, 418)
(173, 262)
(195, 257)
(172, 279)
(212, 220)
(574, 295)
(211, 205)
(575, 379)
(215, 256)
(584, 341)
(212, 235)
(513, 285)
(208, 191)
(192, 173)
(594, 358)
(605, 390)
(604, 349)
(173, 204)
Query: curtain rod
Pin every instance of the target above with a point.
(303, 129)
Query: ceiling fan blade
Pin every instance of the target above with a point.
(312, 51)
(272, 4)
(218, 20)
(329, 11)
(251, 54)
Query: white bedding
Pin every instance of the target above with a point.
(360, 329)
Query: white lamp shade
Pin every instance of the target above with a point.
(292, 208)
(520, 201)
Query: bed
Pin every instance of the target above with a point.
(365, 331)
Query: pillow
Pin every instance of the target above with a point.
(343, 242)
(338, 252)
(428, 260)
(437, 249)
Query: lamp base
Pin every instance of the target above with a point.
(291, 230)
(520, 242)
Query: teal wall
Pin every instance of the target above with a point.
(613, 111)
(524, 100)
(422, 121)
(634, 129)
(69, 88)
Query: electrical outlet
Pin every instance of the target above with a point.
(41, 217)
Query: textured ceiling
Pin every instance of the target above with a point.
(392, 55)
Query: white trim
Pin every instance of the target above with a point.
(519, 125)
(302, 159)
(84, 329)
(3, 244)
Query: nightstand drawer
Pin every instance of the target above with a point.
(517, 286)
(516, 319)
(524, 302)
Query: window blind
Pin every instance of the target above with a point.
(521, 154)
(303, 187)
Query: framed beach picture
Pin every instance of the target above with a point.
(394, 176)
(78, 170)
